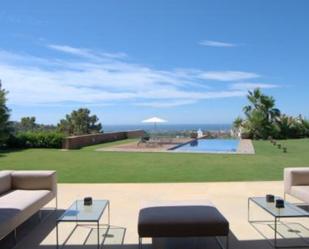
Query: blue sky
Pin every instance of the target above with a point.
(185, 61)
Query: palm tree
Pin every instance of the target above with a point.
(237, 124)
(263, 119)
(263, 103)
(253, 98)
(268, 107)
(261, 113)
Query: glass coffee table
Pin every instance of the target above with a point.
(289, 211)
(79, 213)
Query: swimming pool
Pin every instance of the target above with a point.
(209, 145)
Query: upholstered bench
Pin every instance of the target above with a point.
(22, 194)
(181, 219)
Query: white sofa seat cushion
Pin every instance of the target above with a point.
(300, 192)
(18, 205)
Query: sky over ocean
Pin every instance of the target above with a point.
(185, 61)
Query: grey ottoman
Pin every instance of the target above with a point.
(181, 219)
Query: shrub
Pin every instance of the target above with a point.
(36, 140)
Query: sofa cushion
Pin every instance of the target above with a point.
(5, 181)
(32, 180)
(181, 221)
(300, 192)
(19, 205)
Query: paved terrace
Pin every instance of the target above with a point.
(142, 147)
(229, 197)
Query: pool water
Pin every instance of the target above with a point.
(209, 145)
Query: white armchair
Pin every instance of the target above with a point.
(296, 183)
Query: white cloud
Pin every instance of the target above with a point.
(85, 52)
(94, 78)
(70, 50)
(250, 86)
(228, 75)
(162, 104)
(209, 43)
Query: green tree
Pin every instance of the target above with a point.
(305, 125)
(238, 122)
(264, 120)
(237, 126)
(28, 123)
(285, 125)
(261, 114)
(80, 122)
(262, 103)
(4, 117)
(292, 127)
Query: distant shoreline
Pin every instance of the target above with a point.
(168, 127)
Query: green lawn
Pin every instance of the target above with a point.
(90, 166)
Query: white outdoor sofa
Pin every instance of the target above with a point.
(22, 194)
(296, 183)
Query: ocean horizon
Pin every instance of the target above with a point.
(167, 127)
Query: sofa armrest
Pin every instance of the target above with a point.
(295, 177)
(35, 180)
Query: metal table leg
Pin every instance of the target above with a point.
(108, 206)
(275, 242)
(108, 222)
(140, 243)
(57, 238)
(248, 210)
(98, 226)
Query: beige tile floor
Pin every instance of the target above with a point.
(229, 197)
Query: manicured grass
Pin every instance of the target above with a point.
(90, 166)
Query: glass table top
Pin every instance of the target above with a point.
(289, 210)
(79, 212)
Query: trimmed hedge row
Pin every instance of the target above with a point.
(45, 139)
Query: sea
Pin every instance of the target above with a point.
(168, 128)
